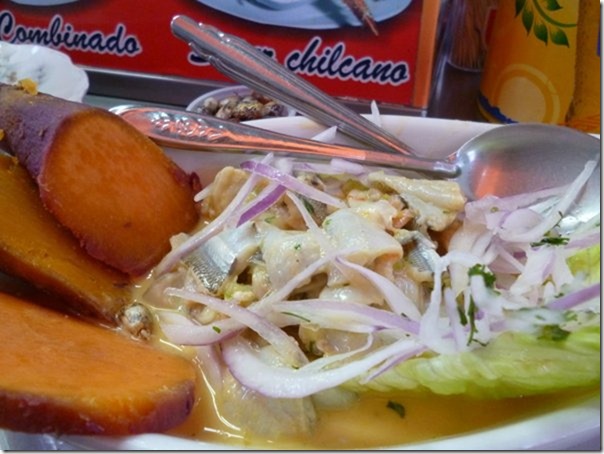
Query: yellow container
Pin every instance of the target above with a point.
(529, 69)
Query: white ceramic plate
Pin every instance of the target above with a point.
(575, 427)
(310, 14)
(52, 70)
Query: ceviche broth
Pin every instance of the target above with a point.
(371, 422)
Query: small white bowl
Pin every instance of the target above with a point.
(52, 70)
(233, 91)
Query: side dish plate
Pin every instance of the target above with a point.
(52, 70)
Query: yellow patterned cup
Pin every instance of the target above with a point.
(529, 69)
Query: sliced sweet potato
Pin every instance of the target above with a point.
(63, 375)
(114, 188)
(36, 248)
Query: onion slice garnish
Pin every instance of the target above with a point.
(252, 369)
(291, 183)
(283, 343)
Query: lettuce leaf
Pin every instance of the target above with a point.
(511, 365)
(587, 263)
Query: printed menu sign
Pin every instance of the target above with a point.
(323, 41)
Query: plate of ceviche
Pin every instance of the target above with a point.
(331, 305)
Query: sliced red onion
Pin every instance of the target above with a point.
(539, 263)
(507, 262)
(285, 345)
(589, 239)
(478, 210)
(392, 362)
(394, 296)
(283, 292)
(550, 221)
(327, 361)
(430, 330)
(574, 299)
(520, 220)
(194, 334)
(326, 136)
(291, 183)
(460, 334)
(347, 315)
(203, 194)
(251, 369)
(337, 166)
(266, 199)
(485, 300)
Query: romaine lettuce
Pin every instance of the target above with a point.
(586, 262)
(513, 364)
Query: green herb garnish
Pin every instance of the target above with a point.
(553, 332)
(481, 270)
(398, 408)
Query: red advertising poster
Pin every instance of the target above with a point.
(321, 40)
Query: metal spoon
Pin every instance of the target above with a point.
(503, 161)
(525, 157)
(188, 130)
(537, 155)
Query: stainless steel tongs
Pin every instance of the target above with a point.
(244, 63)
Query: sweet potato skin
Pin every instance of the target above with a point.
(63, 375)
(36, 248)
(115, 189)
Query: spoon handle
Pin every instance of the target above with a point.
(244, 63)
(187, 130)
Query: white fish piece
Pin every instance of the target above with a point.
(286, 252)
(264, 416)
(365, 294)
(379, 212)
(436, 203)
(349, 231)
(421, 252)
(223, 255)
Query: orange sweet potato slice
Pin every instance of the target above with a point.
(63, 375)
(114, 188)
(36, 248)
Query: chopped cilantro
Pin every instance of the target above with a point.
(553, 332)
(551, 241)
(308, 205)
(297, 246)
(398, 408)
(217, 329)
(296, 315)
(481, 270)
(469, 317)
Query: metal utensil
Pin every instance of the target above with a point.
(180, 129)
(503, 161)
(525, 157)
(512, 159)
(244, 63)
